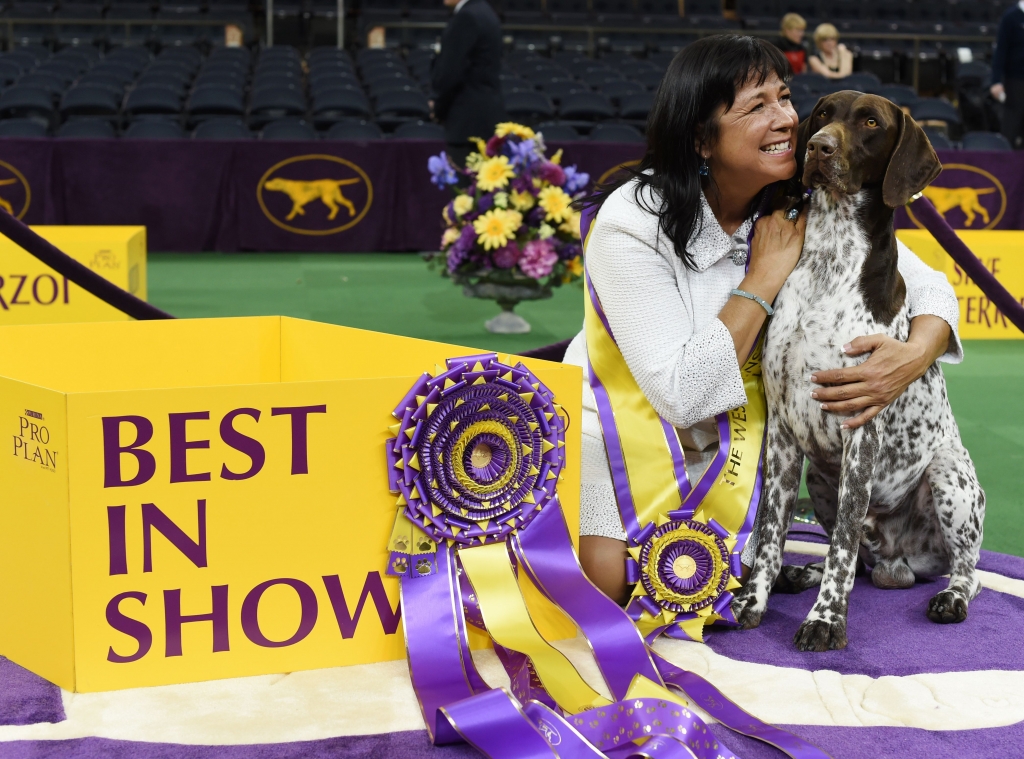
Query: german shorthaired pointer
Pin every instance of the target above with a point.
(900, 492)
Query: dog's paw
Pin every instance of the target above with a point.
(947, 607)
(747, 610)
(819, 635)
(796, 579)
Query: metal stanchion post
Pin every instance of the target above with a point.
(341, 24)
(270, 23)
(917, 63)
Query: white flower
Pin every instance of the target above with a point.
(545, 231)
(501, 199)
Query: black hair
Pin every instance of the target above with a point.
(703, 76)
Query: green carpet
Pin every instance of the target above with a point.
(397, 293)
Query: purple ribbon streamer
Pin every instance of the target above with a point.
(547, 554)
(493, 724)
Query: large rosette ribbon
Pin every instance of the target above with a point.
(476, 457)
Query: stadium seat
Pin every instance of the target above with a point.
(152, 99)
(222, 129)
(154, 129)
(586, 106)
(337, 104)
(615, 133)
(220, 79)
(938, 140)
(985, 141)
(860, 81)
(397, 107)
(288, 129)
(618, 89)
(87, 129)
(206, 102)
(90, 100)
(558, 91)
(419, 130)
(636, 107)
(900, 94)
(120, 70)
(27, 101)
(528, 106)
(70, 33)
(273, 103)
(933, 112)
(22, 128)
(555, 132)
(354, 130)
(44, 80)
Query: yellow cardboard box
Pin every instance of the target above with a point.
(197, 499)
(1002, 253)
(33, 293)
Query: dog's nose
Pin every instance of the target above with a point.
(823, 144)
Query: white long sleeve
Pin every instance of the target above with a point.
(929, 292)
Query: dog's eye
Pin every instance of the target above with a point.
(822, 115)
(872, 122)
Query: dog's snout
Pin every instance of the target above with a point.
(823, 144)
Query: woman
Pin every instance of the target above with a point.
(668, 247)
(833, 60)
(791, 41)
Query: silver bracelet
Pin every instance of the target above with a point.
(750, 296)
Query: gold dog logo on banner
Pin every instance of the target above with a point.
(323, 193)
(977, 201)
(614, 170)
(14, 191)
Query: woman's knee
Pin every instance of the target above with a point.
(604, 562)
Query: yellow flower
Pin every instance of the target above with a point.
(571, 225)
(509, 127)
(557, 157)
(573, 269)
(494, 173)
(463, 204)
(495, 228)
(451, 234)
(473, 161)
(522, 201)
(481, 145)
(556, 202)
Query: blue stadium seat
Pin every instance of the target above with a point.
(934, 109)
(985, 141)
(617, 89)
(152, 99)
(555, 132)
(219, 79)
(636, 107)
(46, 81)
(206, 102)
(288, 129)
(90, 100)
(529, 106)
(222, 129)
(87, 129)
(615, 133)
(273, 103)
(22, 128)
(396, 107)
(900, 94)
(861, 81)
(337, 104)
(586, 106)
(938, 140)
(154, 129)
(120, 70)
(354, 130)
(27, 101)
(419, 130)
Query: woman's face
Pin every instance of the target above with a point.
(828, 45)
(794, 34)
(757, 136)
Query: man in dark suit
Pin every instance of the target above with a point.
(1008, 72)
(465, 76)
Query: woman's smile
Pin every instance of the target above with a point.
(781, 148)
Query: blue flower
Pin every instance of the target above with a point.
(575, 180)
(459, 251)
(442, 173)
(522, 155)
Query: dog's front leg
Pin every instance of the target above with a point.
(825, 626)
(783, 462)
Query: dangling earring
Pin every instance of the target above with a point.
(704, 170)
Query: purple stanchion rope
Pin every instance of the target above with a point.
(966, 260)
(76, 272)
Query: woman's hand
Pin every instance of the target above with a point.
(774, 252)
(882, 378)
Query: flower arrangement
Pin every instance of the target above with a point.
(511, 233)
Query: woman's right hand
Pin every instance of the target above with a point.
(774, 252)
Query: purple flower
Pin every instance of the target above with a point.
(537, 259)
(486, 201)
(442, 173)
(506, 257)
(552, 173)
(494, 145)
(460, 249)
(535, 216)
(575, 180)
(569, 251)
(522, 155)
(522, 184)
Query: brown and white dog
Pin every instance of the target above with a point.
(900, 491)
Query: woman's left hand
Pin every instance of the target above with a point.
(866, 389)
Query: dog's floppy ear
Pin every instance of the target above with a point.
(803, 134)
(913, 165)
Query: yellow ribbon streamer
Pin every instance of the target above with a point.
(508, 621)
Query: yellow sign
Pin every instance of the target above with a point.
(967, 195)
(296, 195)
(33, 293)
(197, 499)
(1002, 253)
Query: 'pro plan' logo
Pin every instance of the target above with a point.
(32, 441)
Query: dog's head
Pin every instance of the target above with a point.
(853, 140)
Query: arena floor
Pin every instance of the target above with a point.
(397, 293)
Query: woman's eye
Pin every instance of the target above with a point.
(787, 97)
(872, 122)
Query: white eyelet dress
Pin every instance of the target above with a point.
(665, 321)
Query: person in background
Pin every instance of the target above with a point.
(1008, 72)
(468, 99)
(791, 43)
(833, 60)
